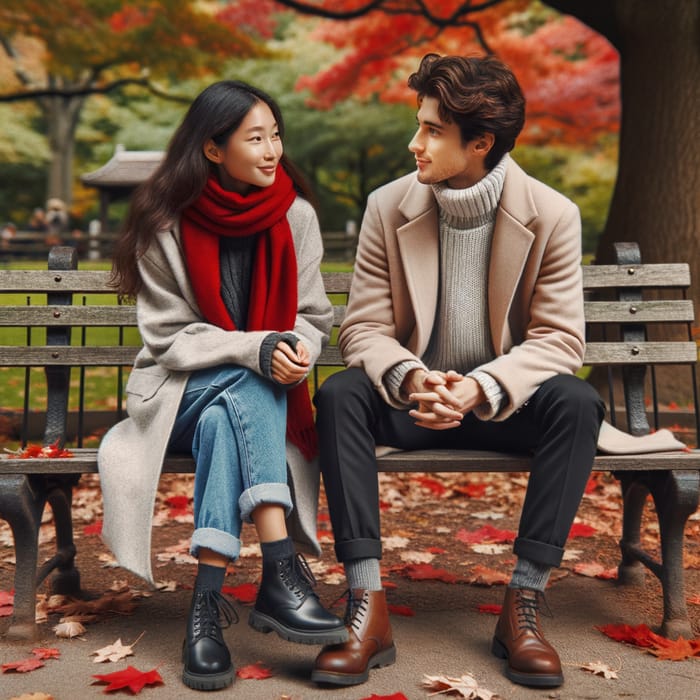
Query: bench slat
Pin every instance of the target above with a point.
(125, 315)
(670, 352)
(639, 311)
(79, 281)
(648, 275)
(68, 316)
(663, 275)
(74, 355)
(84, 462)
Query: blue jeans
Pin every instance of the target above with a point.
(234, 423)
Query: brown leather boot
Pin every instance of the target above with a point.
(531, 658)
(370, 644)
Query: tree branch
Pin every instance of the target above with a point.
(391, 8)
(86, 90)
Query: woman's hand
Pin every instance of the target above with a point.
(290, 366)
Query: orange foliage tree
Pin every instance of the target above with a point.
(58, 54)
(569, 72)
(568, 69)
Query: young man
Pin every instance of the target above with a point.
(464, 328)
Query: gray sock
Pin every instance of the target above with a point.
(363, 573)
(530, 574)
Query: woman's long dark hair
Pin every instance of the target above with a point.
(180, 178)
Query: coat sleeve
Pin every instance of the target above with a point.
(314, 310)
(553, 341)
(369, 335)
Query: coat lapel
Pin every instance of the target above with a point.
(419, 249)
(510, 247)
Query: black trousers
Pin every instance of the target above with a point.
(559, 426)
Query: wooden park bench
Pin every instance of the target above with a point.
(66, 306)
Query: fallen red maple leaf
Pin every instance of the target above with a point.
(130, 678)
(394, 696)
(676, 649)
(177, 501)
(404, 610)
(471, 490)
(582, 530)
(485, 576)
(94, 529)
(33, 451)
(7, 601)
(490, 608)
(639, 635)
(23, 666)
(244, 593)
(486, 533)
(425, 572)
(596, 570)
(46, 652)
(431, 484)
(254, 671)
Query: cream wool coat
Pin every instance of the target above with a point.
(535, 297)
(534, 285)
(177, 341)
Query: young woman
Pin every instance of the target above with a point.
(221, 251)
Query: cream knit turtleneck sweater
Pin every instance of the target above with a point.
(461, 338)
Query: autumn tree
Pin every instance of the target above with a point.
(59, 54)
(656, 199)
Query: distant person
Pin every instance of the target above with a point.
(56, 221)
(222, 250)
(7, 235)
(37, 221)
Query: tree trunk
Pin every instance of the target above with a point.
(656, 201)
(657, 194)
(62, 115)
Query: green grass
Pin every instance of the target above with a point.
(100, 382)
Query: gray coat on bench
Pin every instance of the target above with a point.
(178, 341)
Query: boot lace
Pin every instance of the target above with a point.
(527, 606)
(297, 575)
(212, 613)
(355, 609)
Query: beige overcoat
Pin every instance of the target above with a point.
(535, 296)
(177, 340)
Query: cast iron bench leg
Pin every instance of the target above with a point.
(66, 580)
(630, 571)
(21, 506)
(675, 495)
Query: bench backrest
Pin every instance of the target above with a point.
(67, 317)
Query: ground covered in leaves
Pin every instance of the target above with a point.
(441, 531)
(446, 528)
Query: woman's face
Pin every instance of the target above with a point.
(250, 156)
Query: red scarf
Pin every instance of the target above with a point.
(273, 292)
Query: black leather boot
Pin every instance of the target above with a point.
(287, 604)
(205, 654)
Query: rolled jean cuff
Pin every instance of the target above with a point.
(538, 552)
(216, 540)
(358, 549)
(276, 494)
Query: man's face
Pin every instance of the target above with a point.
(440, 154)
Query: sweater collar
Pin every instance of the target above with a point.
(472, 206)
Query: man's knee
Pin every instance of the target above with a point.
(568, 392)
(340, 387)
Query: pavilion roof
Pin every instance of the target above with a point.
(125, 169)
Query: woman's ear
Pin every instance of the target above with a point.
(212, 152)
